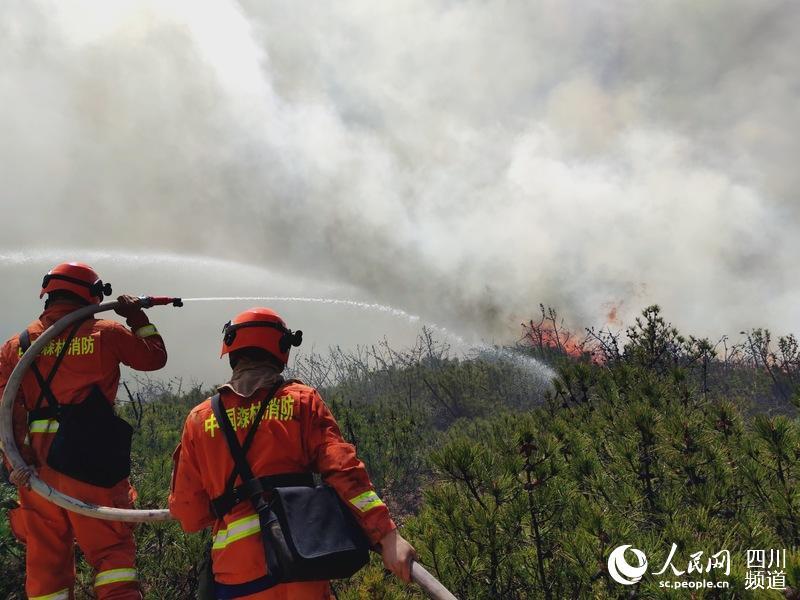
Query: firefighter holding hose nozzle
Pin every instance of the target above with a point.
(244, 467)
(65, 427)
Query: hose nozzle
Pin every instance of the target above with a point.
(149, 301)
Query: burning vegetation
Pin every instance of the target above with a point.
(655, 343)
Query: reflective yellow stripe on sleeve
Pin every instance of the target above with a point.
(236, 531)
(59, 595)
(115, 576)
(366, 501)
(146, 331)
(44, 426)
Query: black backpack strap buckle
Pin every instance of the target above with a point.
(250, 489)
(224, 503)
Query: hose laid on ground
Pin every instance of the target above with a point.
(419, 574)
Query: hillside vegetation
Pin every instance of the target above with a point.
(514, 488)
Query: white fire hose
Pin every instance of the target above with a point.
(419, 574)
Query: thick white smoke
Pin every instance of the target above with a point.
(461, 160)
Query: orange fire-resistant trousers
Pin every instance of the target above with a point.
(50, 532)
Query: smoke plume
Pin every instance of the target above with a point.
(461, 160)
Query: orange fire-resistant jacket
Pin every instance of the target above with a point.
(92, 358)
(297, 434)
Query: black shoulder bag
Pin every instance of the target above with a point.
(308, 534)
(92, 444)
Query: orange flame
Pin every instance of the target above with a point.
(545, 336)
(612, 316)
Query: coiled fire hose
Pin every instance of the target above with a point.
(419, 574)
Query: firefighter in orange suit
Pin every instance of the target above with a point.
(297, 434)
(91, 360)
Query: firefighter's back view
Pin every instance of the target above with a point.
(287, 433)
(65, 428)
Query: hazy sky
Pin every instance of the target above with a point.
(462, 161)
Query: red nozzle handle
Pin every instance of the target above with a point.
(148, 301)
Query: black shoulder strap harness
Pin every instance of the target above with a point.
(252, 488)
(51, 412)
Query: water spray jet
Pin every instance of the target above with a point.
(528, 363)
(520, 359)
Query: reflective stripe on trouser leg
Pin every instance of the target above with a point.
(59, 595)
(49, 552)
(115, 576)
(108, 545)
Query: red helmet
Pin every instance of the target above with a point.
(260, 328)
(78, 278)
